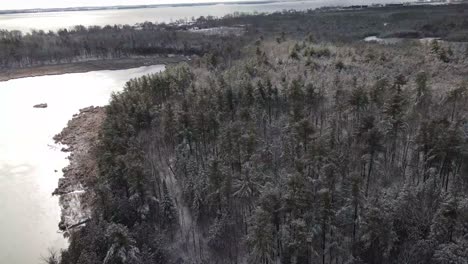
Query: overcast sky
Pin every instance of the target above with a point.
(25, 4)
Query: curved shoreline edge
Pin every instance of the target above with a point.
(88, 66)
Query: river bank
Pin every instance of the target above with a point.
(88, 66)
(31, 164)
(80, 137)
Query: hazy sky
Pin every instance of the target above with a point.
(25, 4)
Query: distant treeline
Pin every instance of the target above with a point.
(449, 22)
(19, 50)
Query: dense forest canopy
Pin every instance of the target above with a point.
(295, 150)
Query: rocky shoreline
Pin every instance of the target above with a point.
(80, 138)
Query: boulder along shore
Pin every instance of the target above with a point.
(79, 138)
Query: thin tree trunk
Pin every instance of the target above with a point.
(324, 241)
(355, 225)
(371, 163)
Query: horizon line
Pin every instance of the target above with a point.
(133, 6)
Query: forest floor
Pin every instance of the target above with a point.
(87, 66)
(80, 138)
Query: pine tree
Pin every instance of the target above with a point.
(395, 110)
(261, 238)
(372, 139)
(359, 101)
(378, 236)
(123, 249)
(296, 100)
(457, 97)
(169, 212)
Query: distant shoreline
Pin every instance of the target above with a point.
(125, 7)
(81, 67)
(257, 2)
